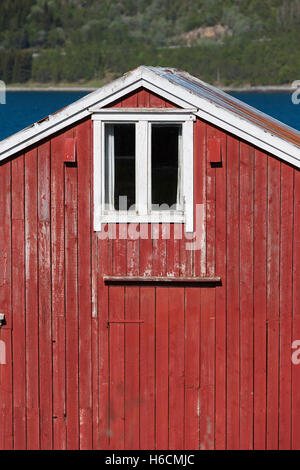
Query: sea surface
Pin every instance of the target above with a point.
(24, 108)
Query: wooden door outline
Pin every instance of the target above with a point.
(165, 342)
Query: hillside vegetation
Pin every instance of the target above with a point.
(227, 42)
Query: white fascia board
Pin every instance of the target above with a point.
(223, 118)
(69, 115)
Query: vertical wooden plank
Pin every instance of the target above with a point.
(6, 421)
(286, 305)
(132, 340)
(233, 321)
(173, 250)
(159, 250)
(133, 250)
(296, 314)
(172, 263)
(207, 372)
(32, 317)
(147, 368)
(105, 267)
(83, 134)
(210, 207)
(58, 288)
(117, 343)
(208, 320)
(145, 254)
(132, 398)
(95, 344)
(273, 244)
(201, 191)
(192, 368)
(120, 250)
(71, 296)
(6, 424)
(5, 253)
(176, 367)
(162, 367)
(44, 282)
(117, 366)
(18, 304)
(246, 296)
(220, 431)
(143, 98)
(186, 256)
(260, 306)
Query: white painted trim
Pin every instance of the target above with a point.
(188, 174)
(136, 116)
(141, 162)
(144, 214)
(110, 161)
(98, 175)
(149, 169)
(141, 111)
(147, 77)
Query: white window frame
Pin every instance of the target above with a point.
(143, 118)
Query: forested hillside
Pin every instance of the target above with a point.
(227, 42)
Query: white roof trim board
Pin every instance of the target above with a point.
(207, 102)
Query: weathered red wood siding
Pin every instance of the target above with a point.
(211, 366)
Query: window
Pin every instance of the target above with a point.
(143, 166)
(119, 166)
(166, 153)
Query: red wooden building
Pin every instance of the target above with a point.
(167, 320)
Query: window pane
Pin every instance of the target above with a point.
(119, 165)
(165, 164)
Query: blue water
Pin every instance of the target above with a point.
(278, 105)
(24, 108)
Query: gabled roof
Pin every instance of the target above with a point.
(212, 104)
